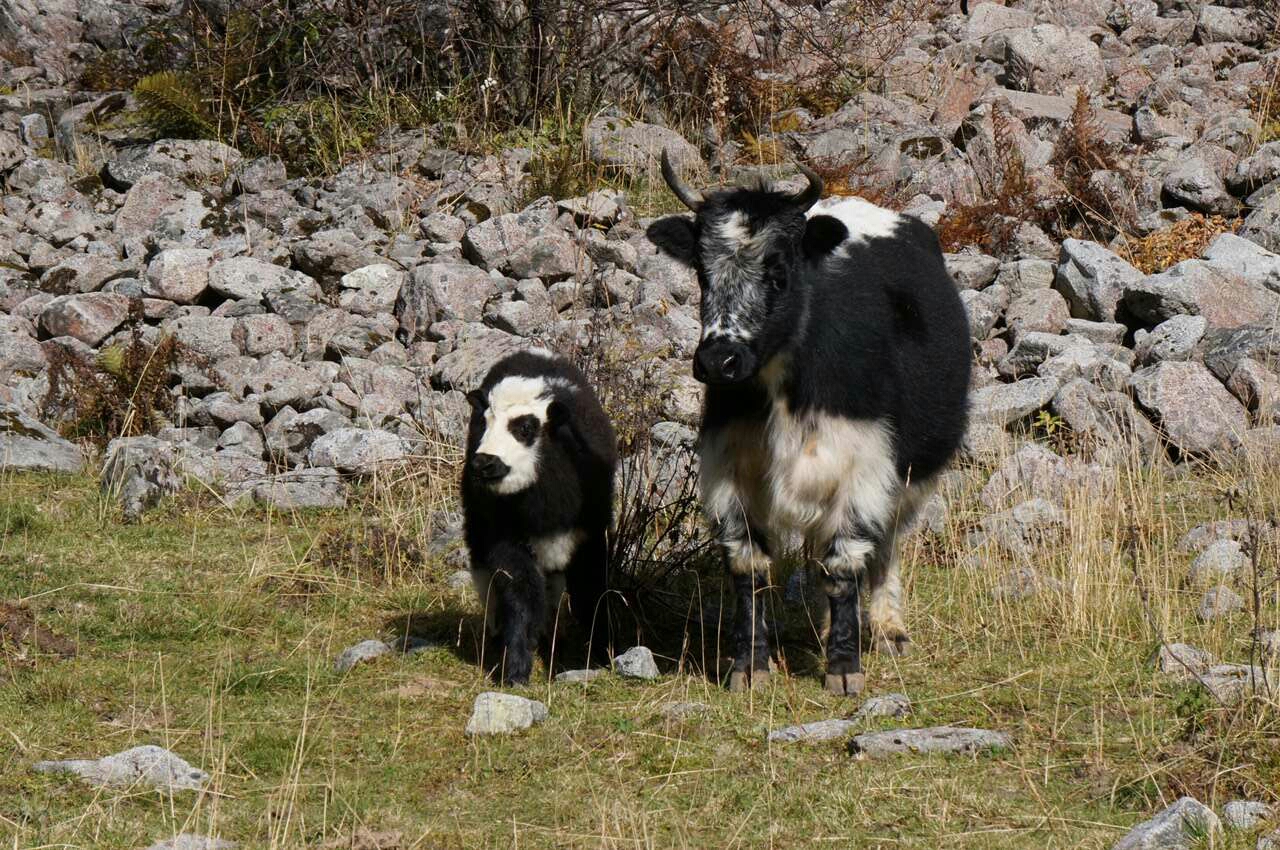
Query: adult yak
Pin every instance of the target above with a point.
(835, 351)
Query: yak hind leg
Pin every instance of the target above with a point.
(887, 625)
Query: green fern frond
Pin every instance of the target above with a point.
(171, 103)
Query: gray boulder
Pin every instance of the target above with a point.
(139, 471)
(1246, 259)
(1092, 279)
(178, 274)
(1225, 348)
(365, 650)
(972, 271)
(357, 450)
(371, 290)
(1220, 561)
(1003, 404)
(1245, 814)
(1219, 603)
(1172, 339)
(1178, 827)
(497, 713)
(1194, 183)
(90, 317)
(634, 146)
(252, 279)
(1200, 288)
(147, 765)
(636, 663)
(27, 444)
(1195, 411)
(187, 841)
(936, 739)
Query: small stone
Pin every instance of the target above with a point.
(685, 710)
(886, 705)
(579, 676)
(1245, 814)
(496, 713)
(178, 274)
(1269, 842)
(187, 841)
(145, 765)
(1023, 583)
(1183, 661)
(636, 663)
(459, 580)
(1220, 560)
(365, 650)
(1178, 827)
(936, 739)
(812, 733)
(89, 317)
(972, 271)
(1219, 603)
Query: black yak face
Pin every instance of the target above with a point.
(513, 419)
(752, 250)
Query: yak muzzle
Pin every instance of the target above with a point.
(488, 467)
(722, 361)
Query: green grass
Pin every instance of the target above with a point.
(213, 631)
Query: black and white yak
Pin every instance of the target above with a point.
(537, 499)
(835, 353)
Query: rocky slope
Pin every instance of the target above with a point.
(330, 325)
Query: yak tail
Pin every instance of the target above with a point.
(964, 6)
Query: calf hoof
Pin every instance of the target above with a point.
(846, 684)
(741, 681)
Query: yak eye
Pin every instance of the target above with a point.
(525, 428)
(775, 273)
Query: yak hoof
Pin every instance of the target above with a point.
(846, 684)
(741, 681)
(893, 643)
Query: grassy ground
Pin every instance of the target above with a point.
(213, 630)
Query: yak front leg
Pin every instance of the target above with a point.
(749, 567)
(844, 565)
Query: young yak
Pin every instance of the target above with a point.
(537, 498)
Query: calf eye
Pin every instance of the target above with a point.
(525, 428)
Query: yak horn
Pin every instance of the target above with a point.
(813, 191)
(689, 197)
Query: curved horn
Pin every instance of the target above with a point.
(689, 197)
(813, 191)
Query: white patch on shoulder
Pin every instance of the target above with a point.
(554, 551)
(863, 219)
(511, 398)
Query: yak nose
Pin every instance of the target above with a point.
(719, 361)
(489, 467)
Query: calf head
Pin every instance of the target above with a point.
(510, 424)
(751, 249)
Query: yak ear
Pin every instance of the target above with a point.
(676, 236)
(477, 399)
(822, 233)
(557, 414)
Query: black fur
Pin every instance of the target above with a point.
(573, 490)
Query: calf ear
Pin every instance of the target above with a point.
(675, 236)
(822, 233)
(557, 414)
(477, 399)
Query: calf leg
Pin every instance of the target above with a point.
(520, 591)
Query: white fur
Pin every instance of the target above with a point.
(863, 219)
(510, 398)
(554, 551)
(812, 475)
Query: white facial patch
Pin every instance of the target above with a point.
(863, 219)
(510, 399)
